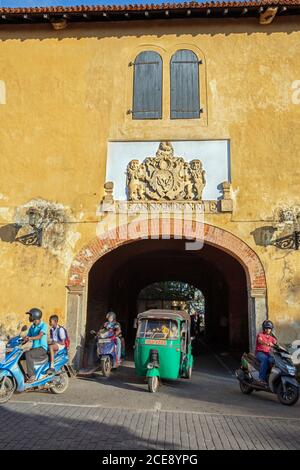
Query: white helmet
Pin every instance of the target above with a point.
(111, 314)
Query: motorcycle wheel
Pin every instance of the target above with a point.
(290, 397)
(153, 384)
(245, 389)
(62, 385)
(7, 388)
(106, 366)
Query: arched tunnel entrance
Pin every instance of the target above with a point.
(116, 280)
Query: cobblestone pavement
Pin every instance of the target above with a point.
(31, 425)
(207, 412)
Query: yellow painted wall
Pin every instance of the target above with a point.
(67, 95)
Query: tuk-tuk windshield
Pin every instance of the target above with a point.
(157, 329)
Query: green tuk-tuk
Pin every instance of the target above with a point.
(163, 346)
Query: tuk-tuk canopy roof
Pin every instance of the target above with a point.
(161, 313)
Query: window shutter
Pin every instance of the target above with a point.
(185, 100)
(147, 92)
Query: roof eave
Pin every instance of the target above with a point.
(168, 12)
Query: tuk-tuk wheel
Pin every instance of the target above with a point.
(188, 373)
(153, 384)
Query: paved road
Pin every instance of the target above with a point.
(208, 412)
(44, 426)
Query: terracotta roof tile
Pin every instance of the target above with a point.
(148, 7)
(96, 11)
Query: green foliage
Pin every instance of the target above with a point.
(175, 291)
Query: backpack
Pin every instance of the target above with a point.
(67, 339)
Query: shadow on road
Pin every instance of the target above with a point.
(46, 427)
(123, 378)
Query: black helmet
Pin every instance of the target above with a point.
(267, 324)
(34, 314)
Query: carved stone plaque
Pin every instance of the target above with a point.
(165, 177)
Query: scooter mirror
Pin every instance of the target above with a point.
(24, 328)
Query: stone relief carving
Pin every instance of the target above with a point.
(135, 180)
(165, 177)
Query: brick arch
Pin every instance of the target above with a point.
(213, 235)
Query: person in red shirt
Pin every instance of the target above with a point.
(264, 342)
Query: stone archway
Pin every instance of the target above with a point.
(215, 236)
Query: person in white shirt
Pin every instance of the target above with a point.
(57, 342)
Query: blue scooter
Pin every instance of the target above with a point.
(107, 351)
(12, 377)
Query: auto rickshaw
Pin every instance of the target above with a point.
(163, 346)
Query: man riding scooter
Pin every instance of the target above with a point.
(271, 369)
(264, 342)
(38, 335)
(12, 373)
(109, 344)
(114, 326)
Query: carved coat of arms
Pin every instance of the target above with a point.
(165, 177)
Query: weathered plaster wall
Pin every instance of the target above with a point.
(67, 95)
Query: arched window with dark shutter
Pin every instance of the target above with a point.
(147, 89)
(185, 99)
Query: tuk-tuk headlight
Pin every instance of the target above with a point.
(150, 366)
